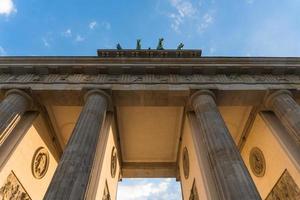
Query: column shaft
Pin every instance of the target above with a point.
(12, 107)
(72, 174)
(287, 110)
(232, 178)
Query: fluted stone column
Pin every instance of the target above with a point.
(72, 174)
(232, 179)
(287, 110)
(14, 105)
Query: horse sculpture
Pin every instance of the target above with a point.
(138, 44)
(160, 45)
(180, 46)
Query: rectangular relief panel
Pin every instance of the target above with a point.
(285, 188)
(13, 189)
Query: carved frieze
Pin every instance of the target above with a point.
(40, 163)
(285, 188)
(150, 79)
(257, 162)
(13, 189)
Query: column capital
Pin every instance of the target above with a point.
(270, 97)
(192, 100)
(21, 93)
(99, 92)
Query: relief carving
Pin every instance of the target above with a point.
(285, 188)
(64, 77)
(36, 78)
(88, 78)
(185, 163)
(163, 78)
(233, 77)
(106, 194)
(137, 79)
(13, 189)
(113, 164)
(151, 78)
(194, 192)
(40, 163)
(114, 78)
(257, 162)
(13, 78)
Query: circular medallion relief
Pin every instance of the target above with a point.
(185, 163)
(113, 163)
(40, 163)
(257, 162)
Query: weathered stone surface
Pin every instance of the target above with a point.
(232, 179)
(72, 174)
(12, 107)
(287, 110)
(285, 188)
(130, 65)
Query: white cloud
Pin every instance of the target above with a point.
(2, 51)
(207, 19)
(183, 9)
(189, 14)
(143, 189)
(177, 21)
(79, 38)
(92, 24)
(105, 25)
(67, 33)
(45, 42)
(7, 7)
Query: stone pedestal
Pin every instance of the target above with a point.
(232, 179)
(72, 174)
(287, 110)
(12, 108)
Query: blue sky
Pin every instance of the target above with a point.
(78, 27)
(149, 189)
(219, 28)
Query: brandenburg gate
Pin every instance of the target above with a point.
(225, 127)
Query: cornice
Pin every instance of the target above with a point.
(201, 65)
